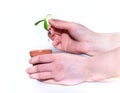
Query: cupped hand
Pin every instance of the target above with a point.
(69, 36)
(76, 38)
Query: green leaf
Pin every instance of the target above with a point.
(45, 25)
(38, 22)
(45, 20)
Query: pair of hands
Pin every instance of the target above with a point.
(71, 69)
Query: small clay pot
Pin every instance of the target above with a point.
(40, 52)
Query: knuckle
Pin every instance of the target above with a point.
(37, 68)
(39, 76)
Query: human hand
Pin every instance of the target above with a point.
(76, 38)
(69, 69)
(61, 68)
(105, 66)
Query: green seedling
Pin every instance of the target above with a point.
(45, 20)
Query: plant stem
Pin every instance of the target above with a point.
(38, 22)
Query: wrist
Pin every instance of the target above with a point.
(99, 43)
(103, 42)
(117, 60)
(99, 69)
(92, 76)
(105, 66)
(115, 40)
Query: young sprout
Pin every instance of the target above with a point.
(45, 20)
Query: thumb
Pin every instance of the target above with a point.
(60, 24)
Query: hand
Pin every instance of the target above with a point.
(61, 68)
(105, 66)
(69, 69)
(76, 38)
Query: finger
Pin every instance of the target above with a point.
(42, 75)
(57, 39)
(51, 35)
(62, 42)
(49, 81)
(73, 29)
(39, 68)
(53, 81)
(44, 58)
(60, 24)
(53, 32)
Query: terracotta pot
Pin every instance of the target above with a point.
(40, 52)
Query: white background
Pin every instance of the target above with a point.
(18, 36)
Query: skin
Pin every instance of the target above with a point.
(106, 66)
(76, 38)
(70, 69)
(61, 68)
